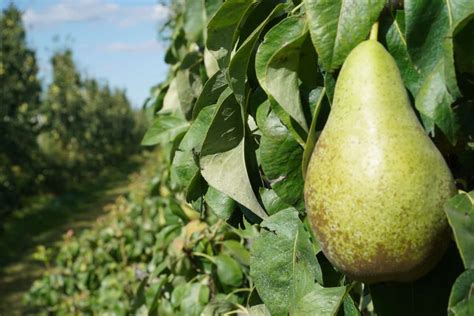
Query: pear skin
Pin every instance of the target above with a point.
(376, 184)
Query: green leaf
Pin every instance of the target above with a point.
(188, 84)
(176, 209)
(221, 204)
(309, 73)
(337, 26)
(282, 263)
(218, 307)
(211, 8)
(434, 102)
(314, 242)
(154, 103)
(171, 99)
(460, 212)
(330, 85)
(278, 58)
(228, 270)
(259, 310)
(172, 148)
(194, 19)
(163, 129)
(178, 47)
(272, 202)
(211, 91)
(246, 230)
(275, 39)
(227, 171)
(465, 308)
(191, 60)
(223, 29)
(139, 299)
(280, 157)
(320, 301)
(194, 297)
(223, 161)
(427, 25)
(240, 60)
(349, 307)
(429, 32)
(153, 293)
(236, 250)
(461, 299)
(210, 63)
(185, 158)
(255, 17)
(397, 46)
(312, 136)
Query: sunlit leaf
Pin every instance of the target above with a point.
(278, 58)
(461, 300)
(283, 265)
(185, 159)
(460, 212)
(228, 270)
(429, 35)
(337, 27)
(280, 157)
(320, 301)
(164, 128)
(223, 159)
(222, 30)
(240, 60)
(211, 91)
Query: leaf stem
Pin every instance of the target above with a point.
(374, 32)
(297, 8)
(468, 196)
(200, 254)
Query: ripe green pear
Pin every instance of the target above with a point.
(376, 184)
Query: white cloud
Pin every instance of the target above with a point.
(90, 10)
(145, 46)
(71, 11)
(132, 15)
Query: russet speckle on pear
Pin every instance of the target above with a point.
(376, 184)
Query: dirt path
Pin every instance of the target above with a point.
(44, 223)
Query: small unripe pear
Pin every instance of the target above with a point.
(376, 184)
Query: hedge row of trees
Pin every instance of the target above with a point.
(75, 127)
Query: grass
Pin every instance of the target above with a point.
(44, 220)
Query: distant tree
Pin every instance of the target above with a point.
(87, 124)
(19, 101)
(79, 126)
(18, 68)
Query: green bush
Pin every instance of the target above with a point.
(50, 141)
(151, 253)
(19, 101)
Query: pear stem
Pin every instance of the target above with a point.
(374, 32)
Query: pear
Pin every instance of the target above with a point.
(376, 184)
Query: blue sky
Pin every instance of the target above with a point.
(114, 41)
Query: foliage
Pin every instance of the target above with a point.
(151, 254)
(84, 124)
(249, 90)
(78, 127)
(19, 100)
